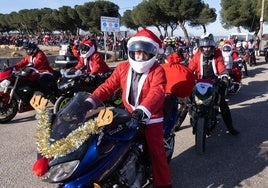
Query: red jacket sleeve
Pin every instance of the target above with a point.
(219, 61)
(98, 64)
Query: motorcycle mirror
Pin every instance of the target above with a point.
(105, 117)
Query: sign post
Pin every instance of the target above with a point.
(109, 24)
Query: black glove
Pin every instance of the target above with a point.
(71, 71)
(137, 115)
(86, 106)
(27, 71)
(137, 118)
(224, 81)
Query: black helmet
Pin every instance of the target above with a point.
(207, 40)
(29, 46)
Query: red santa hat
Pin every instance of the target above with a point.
(87, 42)
(147, 36)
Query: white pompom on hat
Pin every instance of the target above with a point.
(147, 36)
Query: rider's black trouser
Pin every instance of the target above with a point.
(47, 84)
(225, 110)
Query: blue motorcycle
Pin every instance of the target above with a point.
(95, 148)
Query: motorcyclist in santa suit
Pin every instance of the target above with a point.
(37, 59)
(242, 52)
(208, 63)
(143, 93)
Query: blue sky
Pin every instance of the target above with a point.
(8, 6)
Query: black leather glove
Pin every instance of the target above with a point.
(71, 71)
(87, 106)
(224, 81)
(137, 118)
(137, 115)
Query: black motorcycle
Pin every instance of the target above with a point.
(72, 82)
(203, 112)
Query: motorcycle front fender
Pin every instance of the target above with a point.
(4, 97)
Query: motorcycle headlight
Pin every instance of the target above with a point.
(5, 83)
(66, 85)
(206, 101)
(60, 172)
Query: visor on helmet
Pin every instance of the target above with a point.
(141, 46)
(84, 48)
(226, 48)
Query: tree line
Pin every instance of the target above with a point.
(162, 14)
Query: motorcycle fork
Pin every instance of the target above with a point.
(13, 90)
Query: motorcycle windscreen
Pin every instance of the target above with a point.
(72, 116)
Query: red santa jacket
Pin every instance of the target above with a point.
(95, 64)
(180, 79)
(196, 62)
(39, 61)
(151, 90)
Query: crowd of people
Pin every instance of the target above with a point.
(145, 82)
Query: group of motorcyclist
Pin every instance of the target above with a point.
(145, 84)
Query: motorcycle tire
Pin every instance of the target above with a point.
(245, 69)
(61, 101)
(200, 135)
(250, 61)
(169, 143)
(8, 112)
(181, 117)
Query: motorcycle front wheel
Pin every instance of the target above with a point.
(61, 101)
(169, 143)
(9, 111)
(200, 135)
(181, 117)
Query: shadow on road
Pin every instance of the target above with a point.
(23, 119)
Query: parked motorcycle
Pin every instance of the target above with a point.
(70, 84)
(16, 92)
(203, 111)
(97, 148)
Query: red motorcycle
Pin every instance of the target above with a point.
(16, 91)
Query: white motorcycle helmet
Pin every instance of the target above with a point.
(239, 44)
(227, 55)
(145, 41)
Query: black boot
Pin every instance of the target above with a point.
(229, 124)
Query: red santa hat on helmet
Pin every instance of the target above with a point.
(147, 36)
(86, 54)
(87, 42)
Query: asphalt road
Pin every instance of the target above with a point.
(229, 161)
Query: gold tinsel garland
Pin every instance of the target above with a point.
(63, 146)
